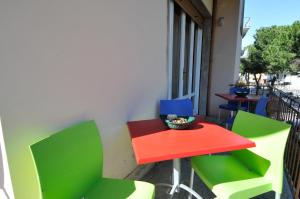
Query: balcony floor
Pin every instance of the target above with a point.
(161, 173)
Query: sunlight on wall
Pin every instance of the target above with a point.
(226, 52)
(23, 161)
(6, 184)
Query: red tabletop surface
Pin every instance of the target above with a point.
(152, 141)
(230, 97)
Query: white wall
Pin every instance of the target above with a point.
(226, 52)
(67, 61)
(238, 42)
(1, 169)
(6, 190)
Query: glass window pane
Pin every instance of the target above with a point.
(186, 56)
(176, 48)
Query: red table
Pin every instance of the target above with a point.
(232, 97)
(152, 141)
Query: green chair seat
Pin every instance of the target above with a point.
(216, 169)
(69, 164)
(229, 177)
(115, 188)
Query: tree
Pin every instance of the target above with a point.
(275, 46)
(276, 50)
(295, 29)
(254, 64)
(296, 45)
(244, 70)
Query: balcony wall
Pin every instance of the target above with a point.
(226, 50)
(67, 61)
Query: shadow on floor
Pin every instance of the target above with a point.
(162, 172)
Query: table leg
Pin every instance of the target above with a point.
(231, 113)
(239, 106)
(188, 189)
(176, 185)
(176, 176)
(176, 180)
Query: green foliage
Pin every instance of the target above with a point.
(296, 45)
(275, 45)
(274, 50)
(256, 63)
(296, 37)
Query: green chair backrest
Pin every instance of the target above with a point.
(253, 161)
(270, 138)
(69, 162)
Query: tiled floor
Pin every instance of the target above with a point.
(162, 172)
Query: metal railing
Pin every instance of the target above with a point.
(285, 107)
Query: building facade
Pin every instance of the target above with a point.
(67, 61)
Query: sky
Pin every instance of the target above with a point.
(264, 13)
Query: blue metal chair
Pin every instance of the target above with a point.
(261, 105)
(260, 109)
(179, 107)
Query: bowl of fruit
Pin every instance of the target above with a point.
(179, 122)
(241, 92)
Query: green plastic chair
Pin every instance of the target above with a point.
(70, 163)
(250, 172)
